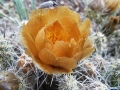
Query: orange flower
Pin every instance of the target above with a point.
(57, 39)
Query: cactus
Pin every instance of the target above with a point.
(6, 54)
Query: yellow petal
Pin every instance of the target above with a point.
(49, 15)
(61, 49)
(40, 38)
(67, 63)
(71, 27)
(85, 28)
(78, 56)
(58, 71)
(87, 52)
(78, 47)
(47, 57)
(34, 25)
(48, 44)
(64, 11)
(44, 67)
(72, 45)
(88, 43)
(29, 41)
(50, 69)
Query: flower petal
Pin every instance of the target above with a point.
(64, 11)
(87, 52)
(78, 56)
(47, 57)
(78, 47)
(88, 43)
(85, 28)
(62, 62)
(50, 69)
(67, 63)
(35, 25)
(71, 27)
(58, 71)
(48, 44)
(40, 38)
(49, 15)
(44, 67)
(29, 41)
(61, 49)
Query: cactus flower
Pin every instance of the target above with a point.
(57, 39)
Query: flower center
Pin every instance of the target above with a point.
(56, 32)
